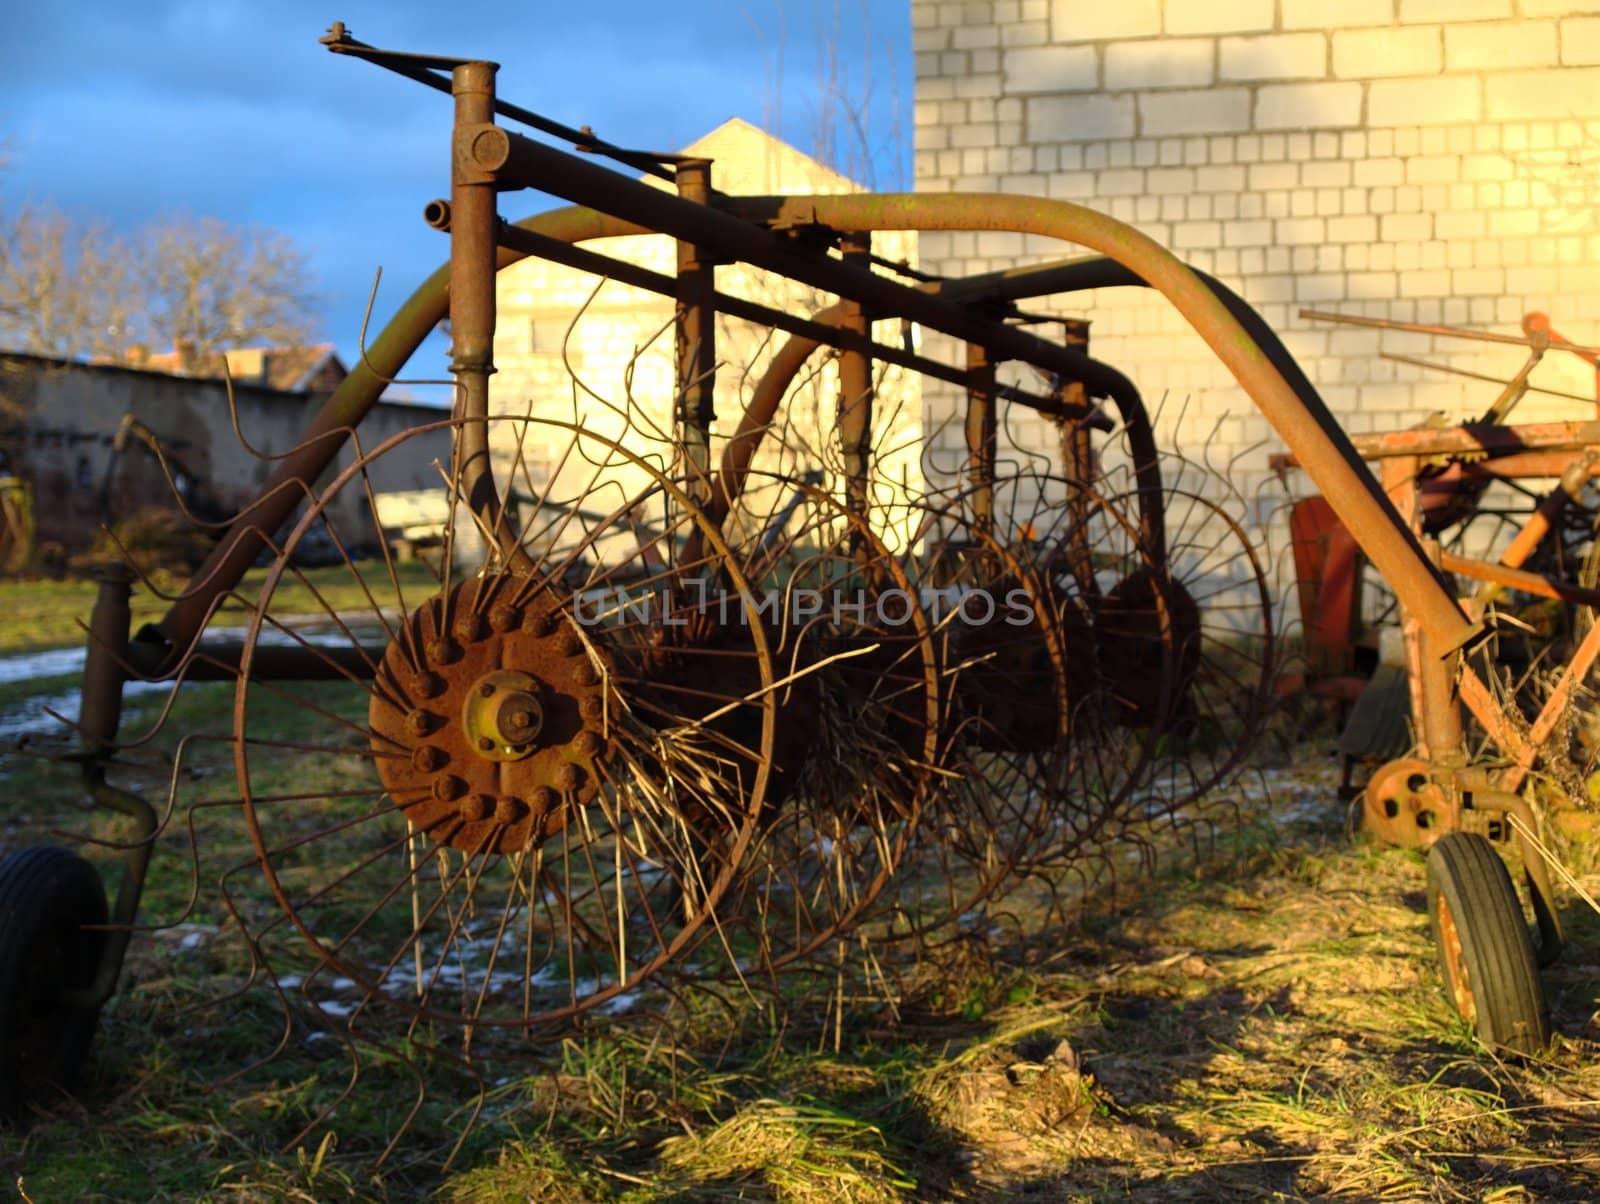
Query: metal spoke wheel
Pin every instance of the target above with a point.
(858, 722)
(533, 777)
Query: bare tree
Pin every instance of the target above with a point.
(215, 286)
(71, 288)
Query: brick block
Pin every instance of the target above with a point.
(1208, 111)
(1494, 45)
(1375, 53)
(1407, 227)
(1374, 173)
(1084, 20)
(1325, 174)
(1120, 183)
(1561, 92)
(1360, 229)
(1166, 181)
(1425, 284)
(1433, 169)
(1052, 69)
(1303, 231)
(1326, 14)
(1186, 235)
(1439, 100)
(1079, 118)
(1247, 234)
(1220, 179)
(1267, 176)
(1580, 41)
(1167, 63)
(1218, 16)
(1453, 10)
(1307, 106)
(1276, 56)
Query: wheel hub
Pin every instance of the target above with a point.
(489, 717)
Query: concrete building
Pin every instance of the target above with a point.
(1430, 161)
(571, 347)
(58, 421)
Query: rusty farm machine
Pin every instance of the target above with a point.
(675, 709)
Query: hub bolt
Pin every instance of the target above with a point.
(419, 722)
(448, 788)
(471, 627)
(588, 744)
(585, 674)
(485, 744)
(543, 798)
(509, 810)
(570, 644)
(486, 690)
(444, 652)
(429, 759)
(504, 619)
(569, 777)
(594, 709)
(429, 685)
(476, 807)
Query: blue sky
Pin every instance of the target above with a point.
(231, 108)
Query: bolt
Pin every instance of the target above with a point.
(569, 777)
(588, 744)
(509, 810)
(475, 807)
(521, 718)
(586, 674)
(430, 685)
(448, 788)
(486, 690)
(444, 651)
(419, 722)
(543, 799)
(485, 743)
(569, 644)
(471, 627)
(541, 623)
(503, 619)
(594, 708)
(429, 759)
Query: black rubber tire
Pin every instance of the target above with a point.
(47, 896)
(1485, 950)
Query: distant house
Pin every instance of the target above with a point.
(309, 369)
(556, 322)
(59, 424)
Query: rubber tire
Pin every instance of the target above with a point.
(1489, 971)
(47, 895)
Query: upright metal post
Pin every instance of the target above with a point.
(696, 341)
(855, 388)
(981, 430)
(473, 255)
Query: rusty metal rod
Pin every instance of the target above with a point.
(1483, 376)
(1454, 332)
(1298, 415)
(1528, 583)
(519, 160)
(529, 242)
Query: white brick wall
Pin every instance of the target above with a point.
(1434, 161)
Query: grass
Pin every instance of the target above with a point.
(1259, 1018)
(44, 613)
(1263, 1020)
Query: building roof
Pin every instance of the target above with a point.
(287, 369)
(749, 161)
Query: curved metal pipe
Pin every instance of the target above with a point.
(1300, 417)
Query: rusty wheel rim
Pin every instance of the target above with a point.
(1457, 981)
(585, 874)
